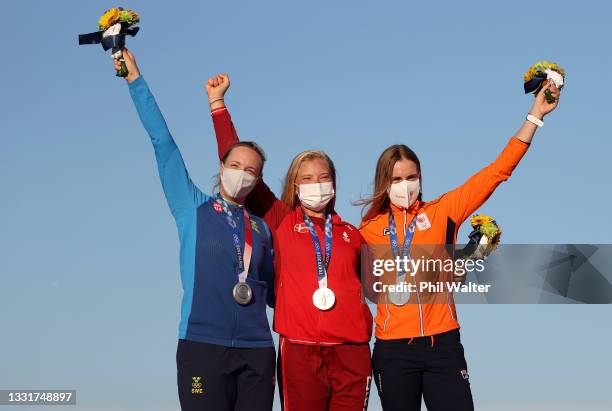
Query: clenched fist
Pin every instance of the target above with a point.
(216, 87)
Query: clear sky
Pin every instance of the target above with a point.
(89, 252)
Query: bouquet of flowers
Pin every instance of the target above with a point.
(113, 26)
(484, 238)
(534, 78)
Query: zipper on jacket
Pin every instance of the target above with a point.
(318, 339)
(235, 325)
(420, 308)
(416, 285)
(450, 310)
(318, 336)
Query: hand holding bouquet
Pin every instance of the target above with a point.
(113, 26)
(484, 238)
(130, 63)
(542, 74)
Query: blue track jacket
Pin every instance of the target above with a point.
(209, 264)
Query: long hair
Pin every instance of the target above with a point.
(379, 201)
(289, 197)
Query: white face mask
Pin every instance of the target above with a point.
(315, 196)
(404, 193)
(237, 183)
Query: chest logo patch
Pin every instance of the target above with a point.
(254, 226)
(346, 237)
(217, 207)
(422, 222)
(301, 228)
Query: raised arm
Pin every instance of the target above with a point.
(179, 190)
(261, 201)
(467, 198)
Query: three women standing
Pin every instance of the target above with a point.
(324, 325)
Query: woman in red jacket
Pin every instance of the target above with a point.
(322, 319)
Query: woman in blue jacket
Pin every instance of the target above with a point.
(225, 356)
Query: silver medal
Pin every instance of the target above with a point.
(399, 297)
(242, 293)
(401, 292)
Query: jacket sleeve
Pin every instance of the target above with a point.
(269, 275)
(366, 265)
(261, 201)
(468, 197)
(179, 190)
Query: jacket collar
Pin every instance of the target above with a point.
(300, 215)
(412, 210)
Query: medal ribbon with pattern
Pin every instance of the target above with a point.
(322, 264)
(405, 251)
(244, 260)
(323, 298)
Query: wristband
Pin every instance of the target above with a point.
(533, 119)
(215, 100)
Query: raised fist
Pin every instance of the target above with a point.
(216, 86)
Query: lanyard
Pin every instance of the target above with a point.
(395, 243)
(322, 264)
(244, 260)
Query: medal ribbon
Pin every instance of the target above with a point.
(244, 260)
(395, 243)
(322, 264)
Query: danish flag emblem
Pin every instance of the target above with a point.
(301, 228)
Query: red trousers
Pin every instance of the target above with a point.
(324, 378)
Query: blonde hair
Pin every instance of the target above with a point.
(290, 197)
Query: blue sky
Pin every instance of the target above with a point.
(90, 288)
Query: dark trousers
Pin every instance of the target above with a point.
(217, 378)
(432, 368)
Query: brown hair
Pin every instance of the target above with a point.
(289, 197)
(250, 144)
(379, 201)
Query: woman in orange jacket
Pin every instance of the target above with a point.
(418, 353)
